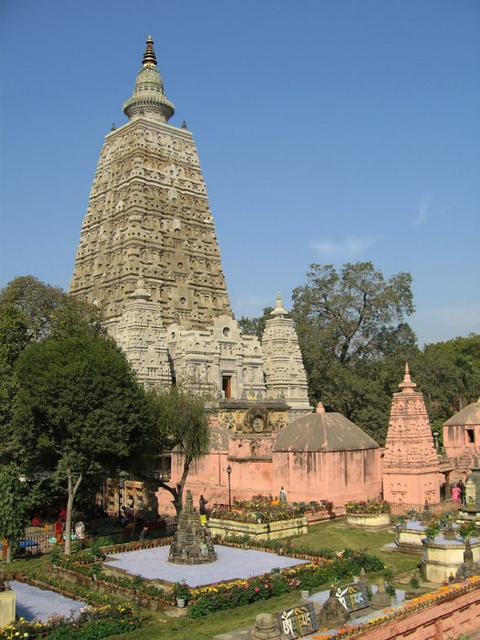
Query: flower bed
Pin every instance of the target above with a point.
(137, 545)
(228, 595)
(280, 547)
(322, 569)
(93, 576)
(367, 507)
(258, 510)
(370, 513)
(99, 621)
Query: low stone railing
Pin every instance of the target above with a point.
(373, 520)
(259, 531)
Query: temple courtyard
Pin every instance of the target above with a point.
(231, 563)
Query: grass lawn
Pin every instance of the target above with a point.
(161, 627)
(336, 535)
(25, 564)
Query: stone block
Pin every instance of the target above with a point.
(442, 558)
(7, 607)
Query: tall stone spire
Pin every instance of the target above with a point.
(148, 213)
(283, 364)
(411, 469)
(148, 98)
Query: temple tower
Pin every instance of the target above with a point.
(148, 214)
(411, 469)
(285, 375)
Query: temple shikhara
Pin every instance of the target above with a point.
(149, 258)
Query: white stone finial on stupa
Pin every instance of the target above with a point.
(320, 408)
(407, 383)
(279, 309)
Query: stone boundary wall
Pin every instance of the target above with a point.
(458, 615)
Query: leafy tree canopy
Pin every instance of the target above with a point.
(31, 311)
(255, 326)
(180, 423)
(13, 506)
(354, 311)
(78, 409)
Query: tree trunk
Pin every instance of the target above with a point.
(9, 551)
(72, 491)
(180, 487)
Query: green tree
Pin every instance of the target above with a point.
(180, 424)
(13, 507)
(351, 328)
(78, 410)
(255, 326)
(31, 311)
(352, 309)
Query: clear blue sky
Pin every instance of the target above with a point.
(328, 131)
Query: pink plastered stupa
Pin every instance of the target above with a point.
(411, 469)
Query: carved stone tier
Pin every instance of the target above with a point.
(284, 371)
(192, 543)
(411, 469)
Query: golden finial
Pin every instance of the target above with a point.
(149, 58)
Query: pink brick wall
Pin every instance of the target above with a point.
(459, 615)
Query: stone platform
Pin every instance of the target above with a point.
(7, 607)
(259, 531)
(442, 557)
(39, 604)
(231, 563)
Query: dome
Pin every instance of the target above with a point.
(322, 431)
(468, 415)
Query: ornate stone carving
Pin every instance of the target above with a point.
(192, 543)
(283, 364)
(148, 217)
(411, 469)
(142, 336)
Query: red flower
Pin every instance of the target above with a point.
(257, 589)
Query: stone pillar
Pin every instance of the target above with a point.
(7, 607)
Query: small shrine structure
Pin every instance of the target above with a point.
(411, 468)
(461, 432)
(192, 543)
